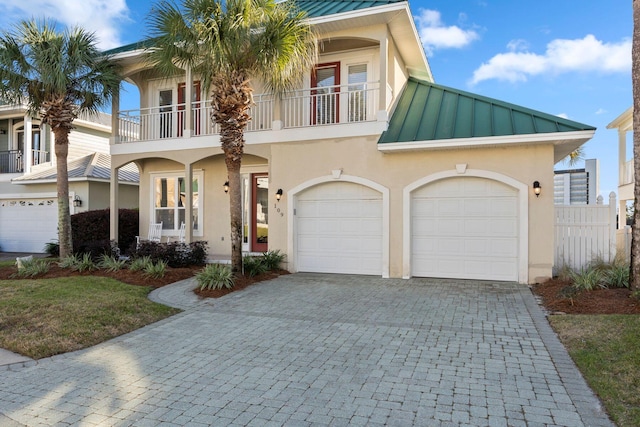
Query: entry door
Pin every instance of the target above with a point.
(325, 83)
(260, 213)
(195, 107)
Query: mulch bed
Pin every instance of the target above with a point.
(138, 278)
(598, 301)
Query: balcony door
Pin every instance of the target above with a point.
(325, 102)
(195, 107)
(166, 113)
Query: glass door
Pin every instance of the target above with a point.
(260, 212)
(195, 107)
(166, 113)
(325, 86)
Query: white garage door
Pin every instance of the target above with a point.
(465, 228)
(26, 225)
(338, 228)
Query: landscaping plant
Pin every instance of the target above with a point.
(215, 276)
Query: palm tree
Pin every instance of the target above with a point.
(634, 281)
(227, 43)
(59, 75)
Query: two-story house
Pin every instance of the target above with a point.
(28, 195)
(368, 168)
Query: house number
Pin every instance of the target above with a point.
(278, 209)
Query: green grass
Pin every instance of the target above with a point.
(606, 349)
(44, 317)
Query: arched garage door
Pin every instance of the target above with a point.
(338, 229)
(465, 227)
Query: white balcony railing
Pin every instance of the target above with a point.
(308, 107)
(627, 173)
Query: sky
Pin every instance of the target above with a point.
(564, 57)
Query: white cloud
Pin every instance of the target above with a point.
(436, 35)
(601, 111)
(563, 115)
(102, 17)
(562, 56)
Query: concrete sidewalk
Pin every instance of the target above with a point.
(314, 349)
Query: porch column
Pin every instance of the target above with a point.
(188, 96)
(114, 206)
(27, 156)
(384, 66)
(188, 208)
(115, 119)
(45, 143)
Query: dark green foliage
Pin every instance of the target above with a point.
(174, 254)
(253, 266)
(52, 248)
(90, 231)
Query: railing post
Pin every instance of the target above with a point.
(115, 118)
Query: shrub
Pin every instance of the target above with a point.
(95, 249)
(588, 279)
(92, 226)
(52, 248)
(111, 263)
(68, 261)
(215, 276)
(617, 276)
(272, 259)
(85, 263)
(32, 268)
(155, 270)
(253, 266)
(175, 254)
(141, 263)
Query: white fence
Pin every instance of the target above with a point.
(585, 232)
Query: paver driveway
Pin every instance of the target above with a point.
(311, 349)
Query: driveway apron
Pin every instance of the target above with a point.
(317, 349)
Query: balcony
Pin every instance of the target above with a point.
(321, 106)
(12, 161)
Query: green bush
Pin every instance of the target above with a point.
(272, 259)
(215, 276)
(85, 263)
(175, 254)
(156, 270)
(587, 279)
(253, 266)
(69, 261)
(617, 276)
(52, 248)
(111, 263)
(93, 226)
(139, 264)
(32, 268)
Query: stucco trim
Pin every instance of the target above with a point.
(292, 195)
(523, 207)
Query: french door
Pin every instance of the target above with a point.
(259, 212)
(325, 102)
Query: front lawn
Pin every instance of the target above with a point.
(606, 349)
(44, 317)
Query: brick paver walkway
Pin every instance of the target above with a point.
(312, 349)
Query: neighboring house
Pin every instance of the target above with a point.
(577, 186)
(624, 124)
(28, 195)
(380, 170)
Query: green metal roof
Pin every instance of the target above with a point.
(316, 8)
(427, 111)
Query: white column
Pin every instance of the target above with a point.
(188, 208)
(622, 155)
(188, 96)
(115, 118)
(114, 206)
(27, 156)
(384, 66)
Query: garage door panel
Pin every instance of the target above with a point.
(338, 228)
(27, 225)
(472, 232)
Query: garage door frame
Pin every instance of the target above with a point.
(337, 176)
(461, 171)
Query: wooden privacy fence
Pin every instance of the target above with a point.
(584, 233)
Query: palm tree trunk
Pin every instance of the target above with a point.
(62, 184)
(634, 281)
(235, 210)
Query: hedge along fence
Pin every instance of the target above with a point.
(90, 230)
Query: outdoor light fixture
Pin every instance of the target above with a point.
(536, 188)
(279, 194)
(76, 201)
(226, 186)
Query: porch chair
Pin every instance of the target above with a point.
(180, 238)
(154, 234)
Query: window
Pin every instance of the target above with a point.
(169, 196)
(166, 113)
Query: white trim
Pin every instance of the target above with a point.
(199, 174)
(539, 138)
(30, 195)
(358, 13)
(292, 196)
(523, 215)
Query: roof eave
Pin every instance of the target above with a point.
(624, 121)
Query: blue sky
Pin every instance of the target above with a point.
(569, 58)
